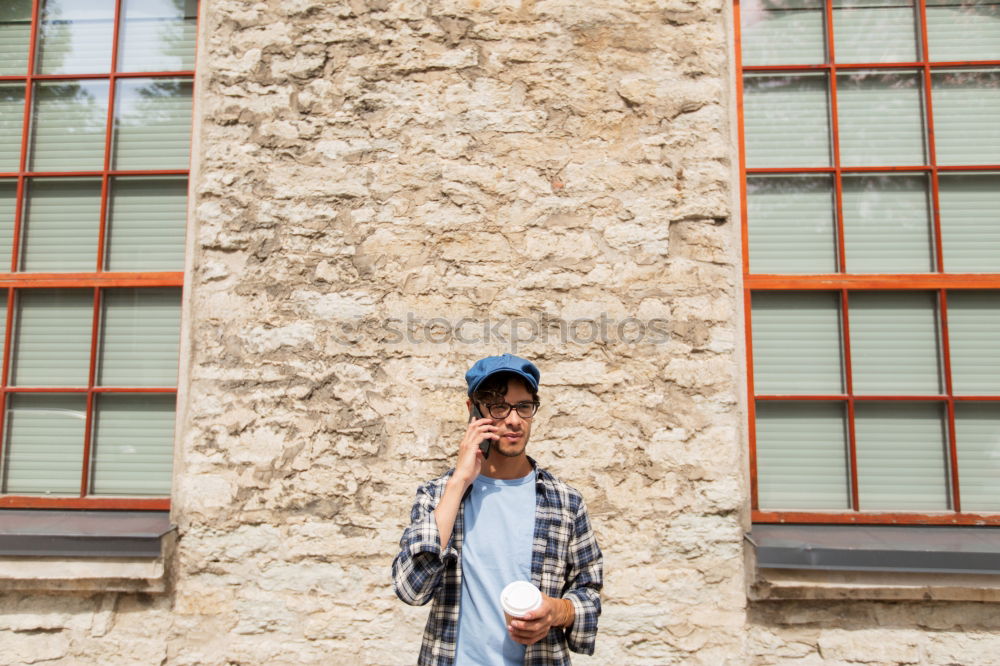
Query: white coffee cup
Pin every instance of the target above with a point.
(519, 598)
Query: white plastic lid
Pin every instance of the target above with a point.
(520, 597)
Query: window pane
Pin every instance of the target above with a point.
(8, 209)
(970, 222)
(967, 116)
(894, 343)
(977, 427)
(15, 34)
(963, 29)
(782, 33)
(146, 224)
(76, 36)
(881, 119)
(51, 344)
(887, 225)
(802, 455)
(796, 343)
(44, 443)
(61, 225)
(902, 459)
(133, 444)
(786, 120)
(68, 127)
(157, 35)
(11, 121)
(875, 31)
(791, 224)
(140, 337)
(153, 124)
(974, 342)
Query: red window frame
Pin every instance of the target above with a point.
(97, 280)
(843, 283)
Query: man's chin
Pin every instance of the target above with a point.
(512, 451)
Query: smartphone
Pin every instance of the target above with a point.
(484, 445)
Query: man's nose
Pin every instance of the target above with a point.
(513, 418)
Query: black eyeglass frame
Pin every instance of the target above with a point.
(494, 409)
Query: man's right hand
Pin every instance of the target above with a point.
(470, 457)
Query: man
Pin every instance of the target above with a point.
(490, 521)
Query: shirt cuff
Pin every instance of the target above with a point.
(581, 635)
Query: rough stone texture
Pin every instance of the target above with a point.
(553, 161)
(811, 632)
(65, 628)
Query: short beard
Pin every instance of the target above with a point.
(507, 454)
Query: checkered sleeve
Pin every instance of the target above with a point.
(417, 569)
(585, 580)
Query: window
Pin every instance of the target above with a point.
(95, 124)
(870, 140)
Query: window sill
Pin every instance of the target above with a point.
(891, 563)
(799, 584)
(72, 551)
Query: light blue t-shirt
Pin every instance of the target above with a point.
(499, 520)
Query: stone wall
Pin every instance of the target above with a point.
(859, 632)
(553, 161)
(368, 166)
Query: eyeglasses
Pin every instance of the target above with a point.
(500, 410)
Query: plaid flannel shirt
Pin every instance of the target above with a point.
(565, 563)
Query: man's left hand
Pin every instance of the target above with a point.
(535, 625)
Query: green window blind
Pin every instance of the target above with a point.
(796, 343)
(51, 345)
(881, 119)
(153, 124)
(874, 31)
(8, 208)
(894, 343)
(15, 33)
(11, 121)
(887, 225)
(75, 36)
(61, 225)
(133, 444)
(789, 32)
(139, 337)
(902, 457)
(44, 451)
(977, 426)
(970, 221)
(974, 342)
(146, 224)
(157, 35)
(791, 223)
(967, 115)
(802, 455)
(68, 127)
(786, 120)
(963, 29)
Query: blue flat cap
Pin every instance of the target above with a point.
(491, 365)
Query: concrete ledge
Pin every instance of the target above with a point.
(778, 584)
(82, 575)
(74, 552)
(888, 563)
